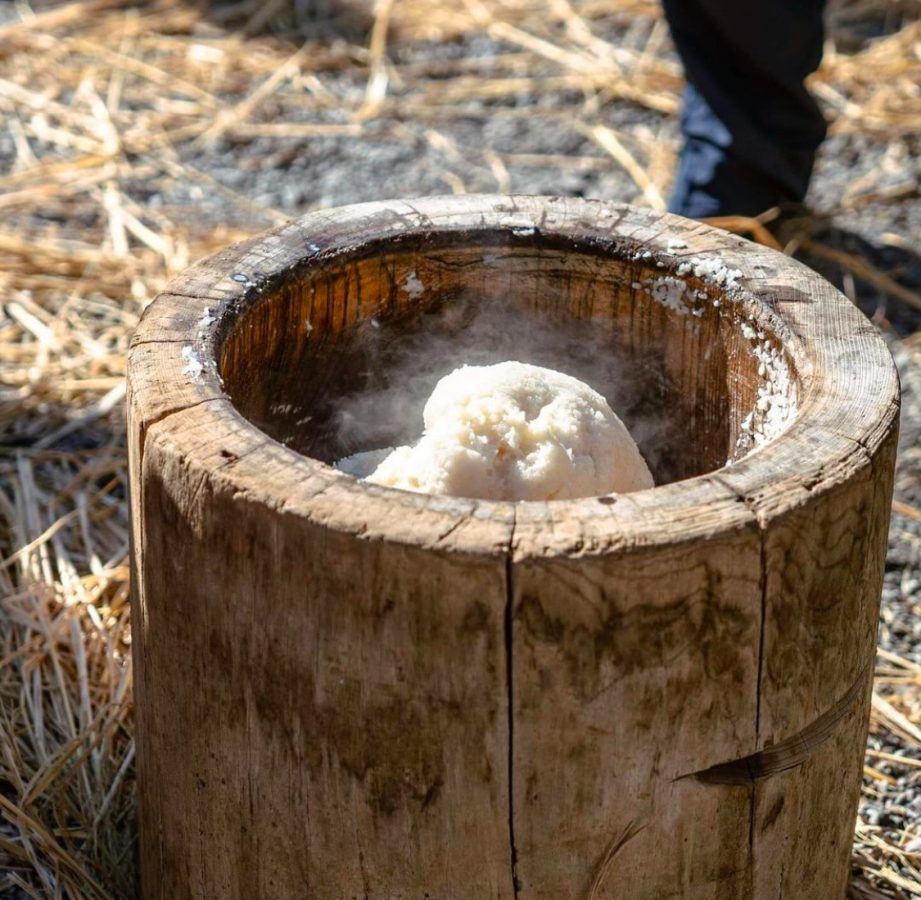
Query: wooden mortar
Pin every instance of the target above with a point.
(344, 690)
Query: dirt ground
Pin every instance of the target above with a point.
(135, 138)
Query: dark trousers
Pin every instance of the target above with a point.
(750, 127)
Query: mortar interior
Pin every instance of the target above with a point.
(340, 355)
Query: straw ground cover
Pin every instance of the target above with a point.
(137, 138)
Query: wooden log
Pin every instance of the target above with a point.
(344, 690)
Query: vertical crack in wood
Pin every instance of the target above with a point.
(762, 539)
(748, 777)
(510, 706)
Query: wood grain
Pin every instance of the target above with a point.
(350, 691)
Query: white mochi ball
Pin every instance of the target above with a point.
(513, 431)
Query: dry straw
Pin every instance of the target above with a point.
(96, 95)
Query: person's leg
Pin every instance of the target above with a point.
(750, 127)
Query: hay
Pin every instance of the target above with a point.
(96, 95)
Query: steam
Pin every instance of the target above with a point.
(403, 361)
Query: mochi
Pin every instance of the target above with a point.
(514, 431)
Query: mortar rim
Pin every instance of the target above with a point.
(834, 430)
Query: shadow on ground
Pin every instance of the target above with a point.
(294, 20)
(891, 259)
